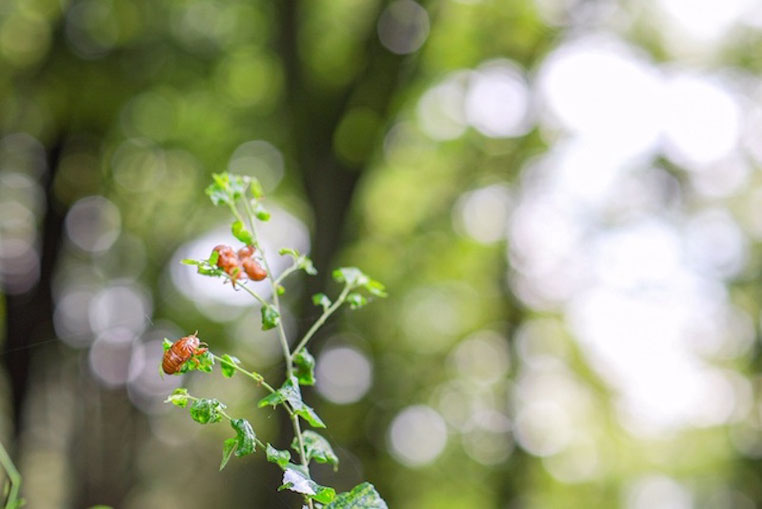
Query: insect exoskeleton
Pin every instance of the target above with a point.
(230, 263)
(246, 252)
(254, 270)
(180, 352)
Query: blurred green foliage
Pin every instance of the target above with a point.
(141, 102)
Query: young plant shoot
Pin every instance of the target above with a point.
(242, 268)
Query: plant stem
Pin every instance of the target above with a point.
(285, 273)
(13, 476)
(276, 303)
(320, 321)
(282, 335)
(254, 376)
(248, 290)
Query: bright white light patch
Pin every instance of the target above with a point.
(704, 20)
(343, 375)
(658, 492)
(93, 223)
(715, 243)
(640, 342)
(110, 357)
(483, 213)
(497, 103)
(440, 109)
(631, 257)
(71, 318)
(417, 436)
(543, 429)
(702, 121)
(482, 358)
(123, 306)
(580, 462)
(487, 439)
(599, 88)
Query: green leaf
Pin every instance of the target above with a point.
(166, 344)
(356, 301)
(228, 365)
(362, 496)
(206, 411)
(255, 186)
(179, 397)
(270, 317)
(290, 393)
(245, 437)
(352, 276)
(324, 494)
(297, 479)
(218, 194)
(375, 288)
(241, 233)
(293, 395)
(316, 447)
(208, 270)
(321, 299)
(274, 399)
(226, 188)
(227, 451)
(261, 213)
(237, 185)
(355, 278)
(305, 367)
(305, 263)
(308, 414)
(281, 458)
(281, 290)
(301, 261)
(206, 267)
(202, 362)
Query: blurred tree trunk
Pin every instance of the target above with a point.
(29, 319)
(328, 181)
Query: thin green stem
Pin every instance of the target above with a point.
(276, 302)
(281, 335)
(320, 321)
(286, 273)
(302, 455)
(248, 290)
(237, 214)
(13, 476)
(251, 374)
(256, 377)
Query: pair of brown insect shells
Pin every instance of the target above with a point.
(232, 263)
(181, 352)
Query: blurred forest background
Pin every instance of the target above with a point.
(563, 198)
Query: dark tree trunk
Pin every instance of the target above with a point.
(29, 319)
